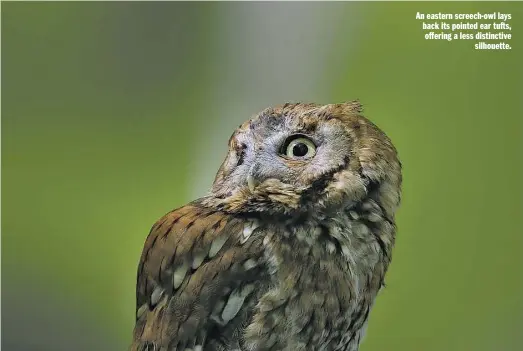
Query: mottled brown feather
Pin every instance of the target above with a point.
(180, 315)
(285, 253)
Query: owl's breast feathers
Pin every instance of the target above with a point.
(208, 280)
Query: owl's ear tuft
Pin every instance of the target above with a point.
(354, 106)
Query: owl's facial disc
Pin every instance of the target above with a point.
(296, 149)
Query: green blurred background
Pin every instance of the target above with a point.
(115, 113)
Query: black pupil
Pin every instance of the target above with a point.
(300, 150)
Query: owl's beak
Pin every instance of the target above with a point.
(253, 179)
(252, 183)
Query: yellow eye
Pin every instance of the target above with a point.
(300, 148)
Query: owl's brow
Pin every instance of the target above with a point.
(271, 119)
(307, 125)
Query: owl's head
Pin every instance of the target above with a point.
(298, 158)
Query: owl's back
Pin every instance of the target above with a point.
(198, 281)
(208, 280)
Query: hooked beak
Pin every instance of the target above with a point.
(252, 180)
(252, 183)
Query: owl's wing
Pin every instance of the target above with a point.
(200, 275)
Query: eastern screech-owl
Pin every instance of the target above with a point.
(290, 247)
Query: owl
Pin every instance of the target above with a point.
(289, 248)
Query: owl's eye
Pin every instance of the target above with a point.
(299, 147)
